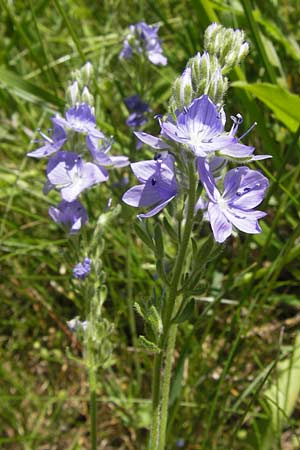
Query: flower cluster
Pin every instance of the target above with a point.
(143, 39)
(67, 171)
(82, 269)
(198, 130)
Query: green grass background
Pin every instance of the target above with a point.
(237, 375)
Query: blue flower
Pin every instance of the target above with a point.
(99, 149)
(82, 269)
(51, 145)
(200, 128)
(244, 189)
(158, 185)
(68, 173)
(138, 110)
(80, 119)
(70, 214)
(143, 38)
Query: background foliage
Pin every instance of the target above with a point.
(237, 377)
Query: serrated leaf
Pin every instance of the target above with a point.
(148, 345)
(284, 104)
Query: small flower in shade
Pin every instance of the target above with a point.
(72, 215)
(67, 172)
(159, 185)
(99, 149)
(51, 145)
(143, 38)
(138, 109)
(244, 189)
(80, 119)
(201, 127)
(82, 269)
(76, 324)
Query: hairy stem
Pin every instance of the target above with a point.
(93, 401)
(163, 361)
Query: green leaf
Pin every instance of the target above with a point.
(286, 106)
(28, 91)
(159, 241)
(143, 234)
(281, 399)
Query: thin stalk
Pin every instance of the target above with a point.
(132, 323)
(161, 386)
(71, 29)
(93, 401)
(166, 381)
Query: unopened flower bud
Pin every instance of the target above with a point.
(86, 96)
(200, 66)
(72, 94)
(183, 90)
(87, 73)
(227, 45)
(210, 36)
(218, 87)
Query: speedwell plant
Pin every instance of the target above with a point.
(198, 174)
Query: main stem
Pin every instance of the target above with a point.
(161, 385)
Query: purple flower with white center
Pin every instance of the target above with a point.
(80, 119)
(82, 269)
(201, 128)
(159, 185)
(144, 38)
(51, 145)
(72, 215)
(99, 149)
(138, 109)
(67, 172)
(244, 189)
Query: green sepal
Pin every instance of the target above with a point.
(148, 345)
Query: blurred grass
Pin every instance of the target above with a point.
(227, 363)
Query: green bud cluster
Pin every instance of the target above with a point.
(78, 91)
(226, 44)
(204, 74)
